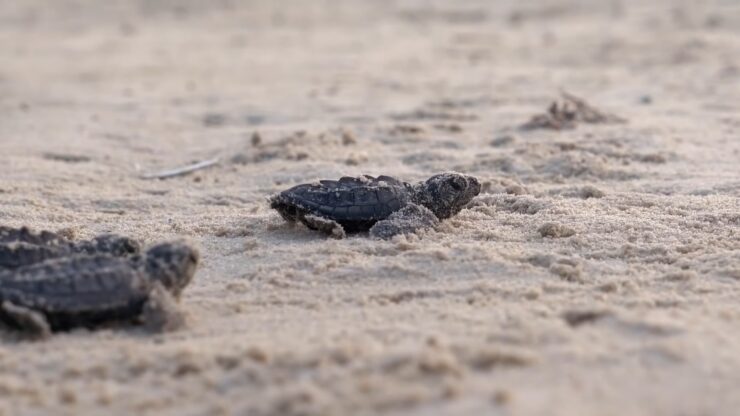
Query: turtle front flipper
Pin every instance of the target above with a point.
(161, 312)
(25, 319)
(329, 227)
(407, 220)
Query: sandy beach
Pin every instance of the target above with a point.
(598, 273)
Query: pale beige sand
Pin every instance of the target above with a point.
(638, 313)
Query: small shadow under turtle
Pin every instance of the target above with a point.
(299, 234)
(111, 330)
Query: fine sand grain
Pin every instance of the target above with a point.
(597, 273)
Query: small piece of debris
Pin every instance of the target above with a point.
(503, 141)
(451, 128)
(555, 230)
(240, 159)
(185, 170)
(590, 191)
(256, 139)
(67, 158)
(567, 113)
(254, 119)
(348, 138)
(566, 146)
(406, 129)
(424, 114)
(488, 359)
(214, 120)
(652, 158)
(257, 354)
(576, 318)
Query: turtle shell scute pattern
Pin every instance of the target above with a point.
(349, 199)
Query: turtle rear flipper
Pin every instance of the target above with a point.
(329, 227)
(407, 220)
(160, 312)
(26, 319)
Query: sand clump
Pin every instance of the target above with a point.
(555, 230)
(567, 113)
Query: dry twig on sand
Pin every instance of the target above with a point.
(567, 113)
(185, 170)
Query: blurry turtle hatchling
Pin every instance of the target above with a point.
(90, 290)
(383, 205)
(22, 247)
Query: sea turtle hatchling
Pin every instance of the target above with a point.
(91, 290)
(383, 205)
(22, 246)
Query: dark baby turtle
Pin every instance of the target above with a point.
(22, 246)
(90, 290)
(384, 205)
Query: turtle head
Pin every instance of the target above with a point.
(173, 264)
(114, 244)
(447, 193)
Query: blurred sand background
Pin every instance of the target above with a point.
(637, 313)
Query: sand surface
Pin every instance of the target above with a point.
(629, 304)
